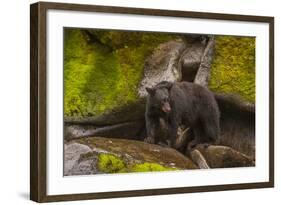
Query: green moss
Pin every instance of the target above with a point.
(109, 163)
(150, 167)
(100, 76)
(233, 67)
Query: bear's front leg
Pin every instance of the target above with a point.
(173, 130)
(150, 140)
(150, 130)
(163, 144)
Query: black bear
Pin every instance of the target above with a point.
(182, 103)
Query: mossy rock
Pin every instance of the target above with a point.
(137, 152)
(95, 155)
(233, 67)
(102, 69)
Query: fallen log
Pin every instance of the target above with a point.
(127, 130)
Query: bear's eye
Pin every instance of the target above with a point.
(155, 107)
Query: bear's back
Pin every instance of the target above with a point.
(192, 89)
(196, 93)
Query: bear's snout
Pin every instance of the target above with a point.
(166, 107)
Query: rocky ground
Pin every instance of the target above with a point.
(95, 155)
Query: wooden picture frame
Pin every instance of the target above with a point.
(38, 100)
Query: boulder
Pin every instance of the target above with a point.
(95, 155)
(162, 65)
(224, 157)
(72, 156)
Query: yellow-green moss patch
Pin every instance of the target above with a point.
(233, 66)
(150, 167)
(109, 163)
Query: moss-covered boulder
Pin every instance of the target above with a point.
(95, 155)
(102, 72)
(233, 67)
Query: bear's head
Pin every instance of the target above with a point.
(159, 97)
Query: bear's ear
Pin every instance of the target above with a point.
(150, 91)
(169, 85)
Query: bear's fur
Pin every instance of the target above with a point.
(182, 103)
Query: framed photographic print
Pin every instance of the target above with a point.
(134, 102)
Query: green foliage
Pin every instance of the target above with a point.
(149, 167)
(102, 75)
(233, 66)
(109, 163)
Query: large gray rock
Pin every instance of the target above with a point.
(72, 154)
(162, 65)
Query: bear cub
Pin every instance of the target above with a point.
(171, 105)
